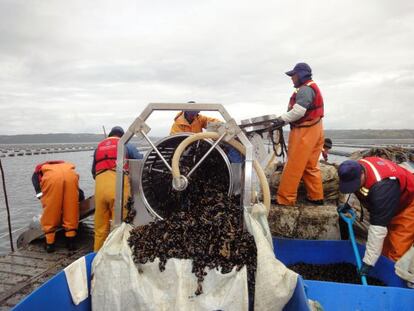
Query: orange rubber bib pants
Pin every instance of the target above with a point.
(105, 184)
(400, 235)
(304, 149)
(60, 200)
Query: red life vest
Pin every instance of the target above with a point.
(38, 169)
(315, 111)
(378, 169)
(106, 153)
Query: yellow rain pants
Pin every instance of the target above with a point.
(105, 185)
(60, 200)
(400, 235)
(304, 149)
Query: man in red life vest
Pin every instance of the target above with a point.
(387, 190)
(57, 186)
(104, 173)
(305, 113)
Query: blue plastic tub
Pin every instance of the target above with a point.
(338, 296)
(54, 295)
(291, 251)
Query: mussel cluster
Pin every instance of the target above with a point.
(207, 228)
(336, 272)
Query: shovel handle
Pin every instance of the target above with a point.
(349, 221)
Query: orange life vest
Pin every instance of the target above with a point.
(315, 111)
(378, 169)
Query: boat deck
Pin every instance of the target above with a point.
(24, 270)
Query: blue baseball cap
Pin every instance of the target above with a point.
(116, 131)
(303, 68)
(349, 173)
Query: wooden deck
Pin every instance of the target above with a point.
(24, 270)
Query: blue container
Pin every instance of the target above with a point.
(339, 296)
(54, 295)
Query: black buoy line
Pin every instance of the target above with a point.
(7, 206)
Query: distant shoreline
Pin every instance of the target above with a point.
(65, 138)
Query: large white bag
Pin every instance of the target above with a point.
(275, 283)
(119, 284)
(404, 267)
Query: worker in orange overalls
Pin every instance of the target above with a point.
(190, 122)
(305, 113)
(104, 173)
(57, 186)
(387, 190)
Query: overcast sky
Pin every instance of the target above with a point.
(73, 66)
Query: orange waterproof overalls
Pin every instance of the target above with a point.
(59, 184)
(306, 141)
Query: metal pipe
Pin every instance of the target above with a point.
(156, 150)
(206, 154)
(7, 207)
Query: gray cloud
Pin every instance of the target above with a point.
(72, 66)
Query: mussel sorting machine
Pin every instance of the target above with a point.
(160, 175)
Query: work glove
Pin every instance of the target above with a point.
(365, 268)
(343, 208)
(278, 123)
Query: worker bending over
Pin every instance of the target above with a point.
(57, 186)
(305, 113)
(104, 173)
(387, 190)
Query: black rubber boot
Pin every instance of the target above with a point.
(316, 202)
(50, 248)
(70, 243)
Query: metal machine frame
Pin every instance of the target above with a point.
(140, 129)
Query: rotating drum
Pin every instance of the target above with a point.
(155, 180)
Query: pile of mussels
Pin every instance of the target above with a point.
(208, 229)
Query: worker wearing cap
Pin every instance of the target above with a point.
(104, 173)
(327, 145)
(190, 122)
(193, 122)
(57, 186)
(387, 190)
(305, 113)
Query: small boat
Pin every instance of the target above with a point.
(34, 230)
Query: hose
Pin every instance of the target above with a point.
(212, 135)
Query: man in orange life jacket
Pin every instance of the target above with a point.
(56, 185)
(193, 122)
(387, 190)
(305, 113)
(190, 122)
(104, 173)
